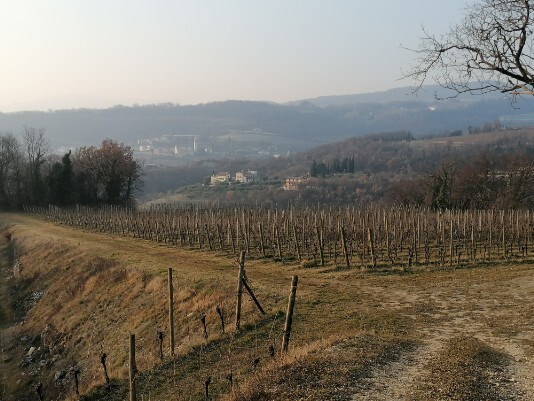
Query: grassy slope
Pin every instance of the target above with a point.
(356, 334)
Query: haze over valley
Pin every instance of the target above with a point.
(266, 200)
(255, 129)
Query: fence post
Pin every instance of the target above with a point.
(289, 314)
(240, 290)
(171, 313)
(132, 368)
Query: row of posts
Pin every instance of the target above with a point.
(242, 283)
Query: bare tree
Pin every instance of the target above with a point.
(490, 50)
(10, 169)
(108, 174)
(518, 191)
(36, 147)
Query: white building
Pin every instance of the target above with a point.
(247, 176)
(220, 178)
(292, 183)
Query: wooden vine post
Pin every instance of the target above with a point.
(262, 246)
(371, 242)
(132, 368)
(289, 314)
(320, 242)
(297, 248)
(76, 373)
(240, 290)
(39, 391)
(388, 247)
(103, 359)
(220, 312)
(278, 243)
(160, 341)
(171, 313)
(451, 247)
(503, 223)
(344, 244)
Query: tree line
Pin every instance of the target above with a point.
(31, 175)
(321, 169)
(487, 181)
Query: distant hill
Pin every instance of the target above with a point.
(392, 153)
(302, 124)
(428, 93)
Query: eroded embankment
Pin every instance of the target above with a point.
(7, 260)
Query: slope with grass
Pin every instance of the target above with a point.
(461, 334)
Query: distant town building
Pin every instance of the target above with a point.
(220, 178)
(292, 183)
(245, 177)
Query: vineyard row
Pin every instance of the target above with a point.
(348, 237)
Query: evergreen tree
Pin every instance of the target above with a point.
(351, 169)
(345, 165)
(67, 189)
(61, 187)
(336, 166)
(313, 169)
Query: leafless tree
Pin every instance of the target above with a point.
(490, 50)
(36, 146)
(11, 163)
(110, 172)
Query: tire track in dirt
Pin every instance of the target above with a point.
(402, 379)
(394, 380)
(475, 314)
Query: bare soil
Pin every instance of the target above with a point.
(427, 334)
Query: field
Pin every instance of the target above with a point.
(411, 331)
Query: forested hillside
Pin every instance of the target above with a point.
(481, 170)
(316, 121)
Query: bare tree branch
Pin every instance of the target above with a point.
(490, 50)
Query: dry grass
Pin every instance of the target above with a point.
(349, 325)
(323, 370)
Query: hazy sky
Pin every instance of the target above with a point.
(98, 53)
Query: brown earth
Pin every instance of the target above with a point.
(426, 334)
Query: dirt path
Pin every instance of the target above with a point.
(401, 379)
(496, 314)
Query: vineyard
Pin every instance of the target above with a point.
(97, 309)
(342, 237)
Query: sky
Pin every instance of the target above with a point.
(57, 54)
